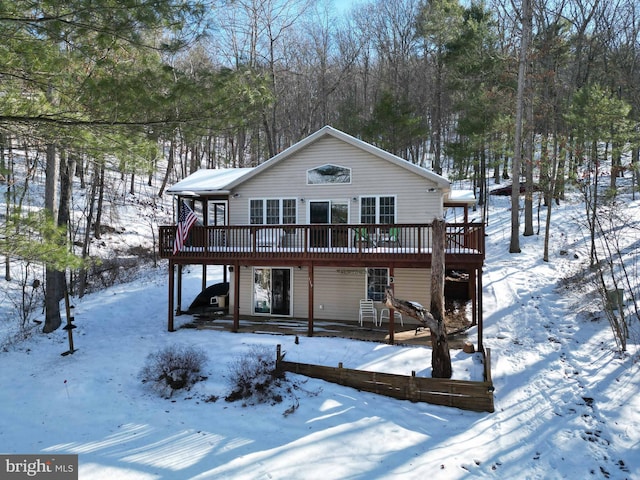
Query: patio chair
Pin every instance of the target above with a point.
(384, 315)
(361, 237)
(389, 238)
(368, 310)
(394, 235)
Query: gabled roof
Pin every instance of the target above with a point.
(208, 181)
(222, 181)
(328, 131)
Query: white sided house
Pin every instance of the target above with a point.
(326, 223)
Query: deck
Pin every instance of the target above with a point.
(335, 244)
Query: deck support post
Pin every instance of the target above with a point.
(473, 292)
(392, 314)
(171, 296)
(236, 297)
(480, 318)
(179, 299)
(310, 314)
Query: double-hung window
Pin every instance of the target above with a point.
(380, 210)
(272, 211)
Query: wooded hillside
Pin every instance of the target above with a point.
(141, 90)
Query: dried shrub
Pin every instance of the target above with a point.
(173, 368)
(253, 378)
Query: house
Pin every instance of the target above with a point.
(325, 223)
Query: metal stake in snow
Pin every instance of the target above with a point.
(69, 326)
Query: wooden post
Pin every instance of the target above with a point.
(412, 394)
(391, 310)
(236, 297)
(179, 307)
(310, 321)
(171, 296)
(480, 316)
(473, 293)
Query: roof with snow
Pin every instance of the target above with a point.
(208, 181)
(462, 197)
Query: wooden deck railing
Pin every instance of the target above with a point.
(320, 241)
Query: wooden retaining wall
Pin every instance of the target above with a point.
(463, 394)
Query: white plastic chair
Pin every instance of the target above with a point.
(269, 237)
(368, 310)
(384, 315)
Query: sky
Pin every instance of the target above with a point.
(567, 405)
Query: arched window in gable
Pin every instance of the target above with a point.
(328, 174)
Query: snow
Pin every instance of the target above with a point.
(567, 405)
(205, 181)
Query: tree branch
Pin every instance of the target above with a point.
(411, 309)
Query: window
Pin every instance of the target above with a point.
(289, 211)
(387, 210)
(328, 174)
(272, 211)
(256, 212)
(378, 210)
(377, 281)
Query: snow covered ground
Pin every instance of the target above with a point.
(567, 405)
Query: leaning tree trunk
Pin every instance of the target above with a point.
(434, 319)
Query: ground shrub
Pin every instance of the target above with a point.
(254, 379)
(173, 368)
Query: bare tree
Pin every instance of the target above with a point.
(514, 246)
(434, 317)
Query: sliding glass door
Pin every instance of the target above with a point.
(272, 291)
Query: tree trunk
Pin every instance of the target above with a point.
(440, 359)
(434, 319)
(528, 156)
(132, 185)
(8, 168)
(51, 298)
(87, 233)
(514, 246)
(167, 173)
(97, 226)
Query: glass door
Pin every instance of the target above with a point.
(217, 217)
(339, 215)
(329, 212)
(319, 214)
(272, 291)
(281, 291)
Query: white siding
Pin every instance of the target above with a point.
(337, 291)
(370, 175)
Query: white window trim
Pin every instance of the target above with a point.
(378, 197)
(366, 279)
(330, 183)
(264, 201)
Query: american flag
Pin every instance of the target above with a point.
(186, 219)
